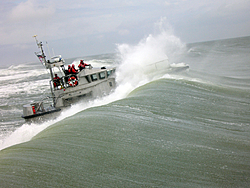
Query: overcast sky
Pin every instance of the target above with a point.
(76, 28)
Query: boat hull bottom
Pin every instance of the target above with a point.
(41, 113)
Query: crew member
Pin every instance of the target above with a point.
(56, 80)
(73, 70)
(82, 65)
(67, 72)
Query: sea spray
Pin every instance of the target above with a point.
(24, 134)
(140, 63)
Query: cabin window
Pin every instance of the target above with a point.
(87, 78)
(102, 75)
(93, 77)
(109, 72)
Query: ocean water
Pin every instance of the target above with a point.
(163, 126)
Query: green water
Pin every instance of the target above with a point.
(168, 133)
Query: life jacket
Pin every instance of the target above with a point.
(81, 65)
(69, 69)
(57, 78)
(73, 70)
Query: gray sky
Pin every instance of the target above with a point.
(86, 27)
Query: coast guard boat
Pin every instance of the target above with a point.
(87, 84)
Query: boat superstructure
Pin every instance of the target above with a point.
(88, 83)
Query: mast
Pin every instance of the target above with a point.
(43, 59)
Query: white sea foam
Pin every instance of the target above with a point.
(148, 59)
(28, 87)
(20, 74)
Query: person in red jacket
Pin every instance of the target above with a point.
(69, 67)
(73, 70)
(56, 80)
(82, 65)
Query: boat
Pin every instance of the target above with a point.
(88, 83)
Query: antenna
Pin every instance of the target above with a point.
(36, 39)
(53, 52)
(39, 44)
(48, 50)
(43, 57)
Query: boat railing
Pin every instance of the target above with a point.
(64, 80)
(59, 84)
